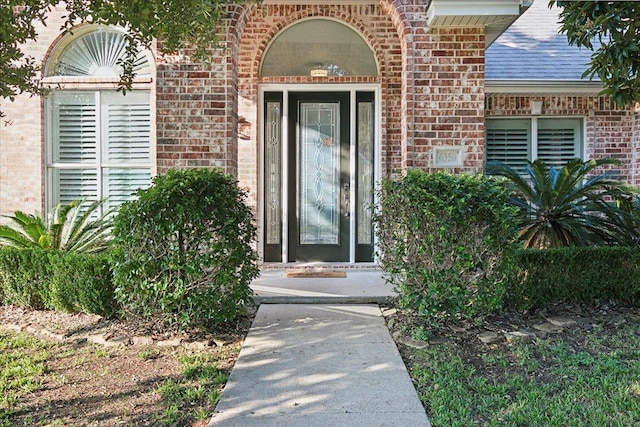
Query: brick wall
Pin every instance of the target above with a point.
(263, 23)
(635, 147)
(431, 82)
(609, 129)
(22, 135)
(193, 117)
(449, 97)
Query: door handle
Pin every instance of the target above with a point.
(347, 198)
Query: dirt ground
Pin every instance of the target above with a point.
(603, 321)
(96, 385)
(89, 384)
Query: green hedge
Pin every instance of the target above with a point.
(446, 242)
(183, 251)
(576, 274)
(59, 280)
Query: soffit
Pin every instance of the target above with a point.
(495, 15)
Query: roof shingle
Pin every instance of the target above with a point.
(533, 49)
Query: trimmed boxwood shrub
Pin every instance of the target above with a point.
(24, 275)
(183, 253)
(446, 242)
(59, 280)
(81, 282)
(576, 274)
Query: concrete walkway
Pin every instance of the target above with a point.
(319, 365)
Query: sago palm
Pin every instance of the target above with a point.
(570, 206)
(73, 227)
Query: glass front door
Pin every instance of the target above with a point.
(319, 172)
(323, 212)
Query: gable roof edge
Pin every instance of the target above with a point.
(539, 87)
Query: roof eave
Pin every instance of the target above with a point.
(494, 15)
(542, 87)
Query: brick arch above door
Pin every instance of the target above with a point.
(381, 34)
(261, 28)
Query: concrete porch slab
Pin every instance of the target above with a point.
(358, 287)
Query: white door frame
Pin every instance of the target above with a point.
(352, 89)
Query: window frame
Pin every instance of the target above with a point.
(533, 133)
(98, 87)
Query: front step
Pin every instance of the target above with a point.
(328, 300)
(356, 286)
(318, 265)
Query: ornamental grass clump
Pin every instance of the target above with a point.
(183, 250)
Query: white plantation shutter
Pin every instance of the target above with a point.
(76, 136)
(128, 127)
(508, 141)
(74, 184)
(100, 147)
(76, 132)
(127, 142)
(121, 184)
(558, 140)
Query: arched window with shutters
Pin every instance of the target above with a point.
(98, 139)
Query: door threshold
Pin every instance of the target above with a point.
(382, 300)
(318, 265)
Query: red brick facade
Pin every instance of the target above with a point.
(609, 131)
(431, 85)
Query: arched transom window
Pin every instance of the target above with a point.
(319, 47)
(99, 140)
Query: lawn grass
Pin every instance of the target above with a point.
(195, 393)
(20, 370)
(584, 378)
(187, 393)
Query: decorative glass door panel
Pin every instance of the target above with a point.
(314, 221)
(273, 204)
(319, 173)
(365, 142)
(318, 177)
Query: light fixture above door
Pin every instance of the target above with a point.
(324, 69)
(319, 70)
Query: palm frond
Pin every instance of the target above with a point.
(12, 237)
(73, 227)
(569, 206)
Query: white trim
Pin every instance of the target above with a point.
(99, 98)
(534, 138)
(260, 177)
(287, 89)
(377, 160)
(48, 151)
(102, 127)
(284, 165)
(584, 139)
(533, 143)
(297, 2)
(352, 175)
(462, 13)
(317, 87)
(70, 36)
(550, 87)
